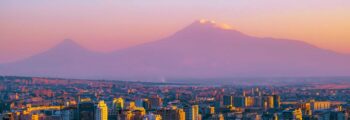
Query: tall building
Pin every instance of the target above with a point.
(181, 115)
(146, 104)
(258, 101)
(118, 104)
(2, 106)
(86, 110)
(268, 102)
(116, 108)
(101, 111)
(307, 109)
(276, 101)
(227, 100)
(249, 101)
(192, 112)
(239, 101)
(188, 112)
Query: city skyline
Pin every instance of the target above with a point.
(175, 60)
(79, 99)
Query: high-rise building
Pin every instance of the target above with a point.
(227, 100)
(101, 111)
(268, 102)
(276, 101)
(307, 109)
(249, 101)
(188, 112)
(239, 101)
(117, 108)
(192, 112)
(118, 104)
(146, 104)
(181, 115)
(86, 110)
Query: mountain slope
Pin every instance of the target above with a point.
(202, 49)
(67, 59)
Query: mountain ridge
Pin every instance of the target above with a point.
(202, 49)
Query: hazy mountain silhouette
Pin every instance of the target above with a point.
(202, 49)
(65, 59)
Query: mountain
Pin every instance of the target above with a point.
(204, 49)
(65, 59)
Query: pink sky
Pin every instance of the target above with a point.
(30, 27)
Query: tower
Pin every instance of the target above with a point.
(101, 111)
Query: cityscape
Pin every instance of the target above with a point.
(33, 98)
(174, 59)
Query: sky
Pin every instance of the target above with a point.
(31, 27)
